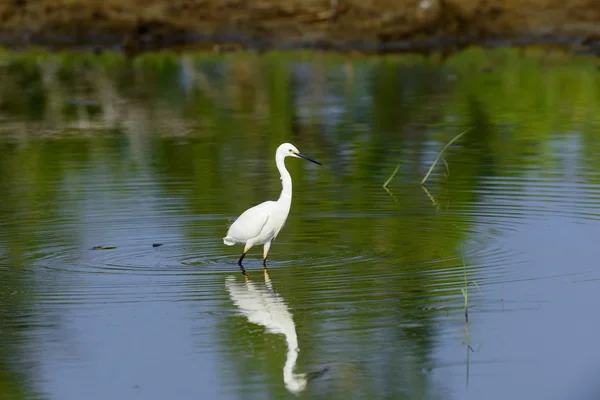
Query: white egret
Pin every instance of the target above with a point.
(262, 223)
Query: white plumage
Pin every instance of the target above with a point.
(262, 223)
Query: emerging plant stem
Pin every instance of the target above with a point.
(385, 185)
(454, 139)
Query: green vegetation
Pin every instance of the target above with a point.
(465, 292)
(454, 139)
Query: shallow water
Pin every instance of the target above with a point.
(157, 155)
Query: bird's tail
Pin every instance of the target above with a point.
(228, 241)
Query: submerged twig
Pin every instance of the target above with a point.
(466, 296)
(391, 194)
(465, 291)
(435, 203)
(454, 139)
(103, 247)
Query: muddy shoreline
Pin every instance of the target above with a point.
(382, 26)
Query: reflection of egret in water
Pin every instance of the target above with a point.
(263, 306)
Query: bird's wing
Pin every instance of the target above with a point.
(250, 223)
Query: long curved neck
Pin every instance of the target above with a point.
(286, 179)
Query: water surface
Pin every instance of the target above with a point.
(157, 155)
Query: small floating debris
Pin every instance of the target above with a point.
(317, 374)
(156, 244)
(103, 247)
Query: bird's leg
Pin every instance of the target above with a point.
(266, 253)
(241, 266)
(241, 258)
(246, 249)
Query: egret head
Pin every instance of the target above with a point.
(289, 150)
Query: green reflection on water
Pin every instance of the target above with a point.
(201, 131)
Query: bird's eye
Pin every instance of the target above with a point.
(291, 151)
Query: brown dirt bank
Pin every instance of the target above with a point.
(370, 25)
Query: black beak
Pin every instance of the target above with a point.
(308, 158)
